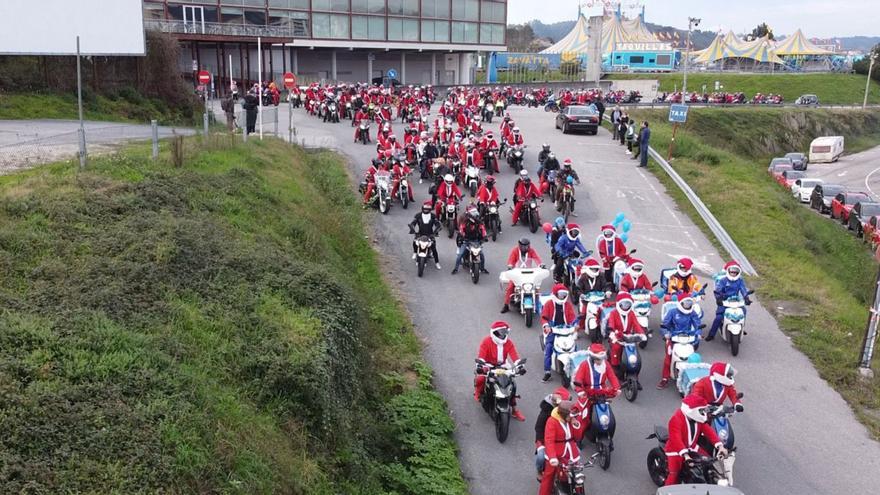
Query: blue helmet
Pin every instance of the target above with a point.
(559, 221)
(569, 180)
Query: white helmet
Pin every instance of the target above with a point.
(624, 303)
(516, 130)
(448, 178)
(499, 331)
(696, 408)
(685, 303)
(523, 173)
(733, 271)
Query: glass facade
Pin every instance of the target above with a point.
(478, 22)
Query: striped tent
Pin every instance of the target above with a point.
(575, 41)
(716, 50)
(613, 32)
(798, 45)
(760, 50)
(637, 31)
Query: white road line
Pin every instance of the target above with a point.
(867, 177)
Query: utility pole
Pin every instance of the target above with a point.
(692, 23)
(868, 82)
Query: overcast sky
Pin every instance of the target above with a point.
(817, 18)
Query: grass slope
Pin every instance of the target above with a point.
(840, 89)
(217, 328)
(808, 265)
(125, 106)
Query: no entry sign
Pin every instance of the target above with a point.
(289, 80)
(204, 77)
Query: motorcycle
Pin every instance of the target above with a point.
(364, 132)
(491, 219)
(332, 113)
(423, 250)
(488, 112)
(472, 259)
(382, 191)
(515, 157)
(348, 112)
(631, 365)
(733, 327)
(490, 161)
(526, 287)
(619, 267)
(499, 108)
(696, 469)
(570, 478)
(498, 393)
(551, 106)
(564, 347)
(590, 307)
(456, 171)
(403, 191)
(719, 418)
(296, 100)
(601, 428)
(642, 304)
(551, 182)
(530, 215)
(566, 202)
(472, 179)
(450, 218)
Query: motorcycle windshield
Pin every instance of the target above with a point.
(529, 275)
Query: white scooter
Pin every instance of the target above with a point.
(590, 307)
(733, 326)
(527, 286)
(564, 347)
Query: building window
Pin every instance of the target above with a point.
(637, 59)
(229, 15)
(465, 10)
(435, 8)
(368, 6)
(367, 27)
(330, 5)
(403, 7)
(403, 29)
(492, 12)
(492, 34)
(329, 26)
(464, 32)
(154, 11)
(290, 4)
(436, 31)
(255, 17)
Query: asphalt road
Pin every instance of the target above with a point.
(796, 435)
(859, 171)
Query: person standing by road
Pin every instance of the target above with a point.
(227, 104)
(251, 103)
(644, 138)
(615, 121)
(600, 107)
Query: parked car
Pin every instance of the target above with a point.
(822, 195)
(779, 162)
(578, 118)
(787, 177)
(798, 160)
(860, 214)
(843, 203)
(802, 188)
(807, 100)
(871, 232)
(826, 149)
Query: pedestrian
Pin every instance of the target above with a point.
(621, 129)
(251, 103)
(644, 138)
(615, 121)
(630, 136)
(600, 106)
(227, 104)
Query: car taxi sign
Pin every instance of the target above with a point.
(678, 113)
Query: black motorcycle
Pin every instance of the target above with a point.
(423, 251)
(698, 469)
(449, 218)
(490, 161)
(529, 214)
(515, 157)
(364, 132)
(499, 393)
(491, 218)
(471, 259)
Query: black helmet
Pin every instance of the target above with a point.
(524, 244)
(474, 216)
(546, 147)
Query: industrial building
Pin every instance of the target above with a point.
(414, 41)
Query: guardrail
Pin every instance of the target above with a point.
(297, 30)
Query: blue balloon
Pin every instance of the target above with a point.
(624, 237)
(659, 292)
(627, 225)
(619, 218)
(616, 223)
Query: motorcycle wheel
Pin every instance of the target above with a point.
(631, 389)
(734, 344)
(604, 451)
(657, 467)
(530, 316)
(383, 206)
(475, 272)
(494, 229)
(450, 227)
(547, 109)
(404, 201)
(533, 223)
(502, 426)
(422, 264)
(473, 189)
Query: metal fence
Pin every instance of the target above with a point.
(297, 28)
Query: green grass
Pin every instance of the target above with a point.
(822, 276)
(124, 106)
(222, 327)
(840, 89)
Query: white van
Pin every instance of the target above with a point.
(826, 149)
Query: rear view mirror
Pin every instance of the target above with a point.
(740, 395)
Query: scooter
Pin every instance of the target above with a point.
(683, 346)
(719, 418)
(643, 301)
(697, 469)
(499, 393)
(631, 365)
(564, 346)
(601, 428)
(526, 287)
(590, 305)
(733, 327)
(472, 260)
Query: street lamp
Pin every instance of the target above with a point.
(868, 82)
(692, 23)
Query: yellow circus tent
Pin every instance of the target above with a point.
(613, 33)
(728, 46)
(614, 30)
(575, 41)
(760, 50)
(798, 45)
(637, 31)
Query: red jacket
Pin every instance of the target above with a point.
(514, 139)
(476, 156)
(714, 392)
(561, 437)
(590, 381)
(495, 354)
(627, 284)
(522, 192)
(684, 433)
(619, 250)
(446, 192)
(516, 260)
(548, 312)
(617, 329)
(484, 195)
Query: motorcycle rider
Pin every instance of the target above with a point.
(570, 182)
(514, 138)
(369, 182)
(609, 246)
(719, 386)
(593, 378)
(486, 144)
(542, 155)
(686, 427)
(556, 231)
(591, 278)
(447, 192)
(497, 349)
(621, 323)
(487, 193)
(568, 171)
(683, 280)
(524, 192)
(399, 170)
(635, 277)
(521, 256)
(359, 117)
(680, 320)
(567, 246)
(562, 432)
(557, 311)
(471, 230)
(548, 404)
(550, 163)
(425, 223)
(730, 285)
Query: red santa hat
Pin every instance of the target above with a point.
(499, 331)
(559, 395)
(597, 351)
(567, 161)
(722, 373)
(428, 204)
(623, 296)
(608, 226)
(694, 407)
(591, 262)
(686, 263)
(557, 289)
(620, 303)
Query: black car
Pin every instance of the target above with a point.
(823, 194)
(578, 118)
(860, 214)
(798, 160)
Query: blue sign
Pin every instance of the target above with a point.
(537, 61)
(678, 113)
(392, 74)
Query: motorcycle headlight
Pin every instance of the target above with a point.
(476, 250)
(579, 478)
(632, 359)
(528, 287)
(424, 244)
(604, 420)
(533, 204)
(500, 393)
(450, 208)
(493, 210)
(734, 327)
(518, 154)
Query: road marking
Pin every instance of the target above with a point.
(621, 194)
(842, 173)
(868, 177)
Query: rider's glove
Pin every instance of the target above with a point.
(721, 452)
(554, 462)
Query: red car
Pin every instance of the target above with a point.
(778, 170)
(843, 203)
(787, 177)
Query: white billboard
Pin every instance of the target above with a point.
(50, 27)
